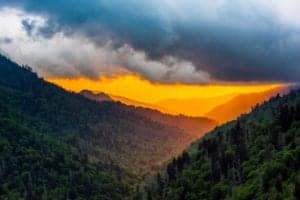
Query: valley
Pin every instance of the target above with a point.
(127, 143)
(255, 156)
(103, 139)
(149, 100)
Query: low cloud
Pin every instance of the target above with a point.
(225, 40)
(74, 55)
(167, 69)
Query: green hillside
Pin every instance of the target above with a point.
(58, 145)
(255, 157)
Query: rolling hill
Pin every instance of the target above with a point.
(241, 104)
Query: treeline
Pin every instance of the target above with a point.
(255, 157)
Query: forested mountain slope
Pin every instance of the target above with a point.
(101, 96)
(37, 166)
(58, 145)
(195, 126)
(255, 157)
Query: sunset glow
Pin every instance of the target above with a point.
(141, 90)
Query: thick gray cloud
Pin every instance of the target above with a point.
(231, 40)
(75, 55)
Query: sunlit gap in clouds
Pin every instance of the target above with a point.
(138, 89)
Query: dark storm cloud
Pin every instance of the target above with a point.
(232, 41)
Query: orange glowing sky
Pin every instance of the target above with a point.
(136, 88)
(194, 100)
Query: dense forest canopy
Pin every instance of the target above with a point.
(39, 154)
(256, 156)
(56, 144)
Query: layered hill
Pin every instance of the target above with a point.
(193, 107)
(221, 108)
(256, 156)
(195, 126)
(101, 96)
(241, 104)
(61, 145)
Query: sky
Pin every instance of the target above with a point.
(163, 41)
(136, 88)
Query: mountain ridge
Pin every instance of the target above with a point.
(196, 126)
(197, 106)
(242, 104)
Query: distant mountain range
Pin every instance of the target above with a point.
(241, 104)
(195, 126)
(221, 109)
(101, 96)
(193, 107)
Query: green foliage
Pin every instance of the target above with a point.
(129, 144)
(36, 166)
(57, 145)
(255, 157)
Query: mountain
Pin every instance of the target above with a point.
(193, 107)
(60, 145)
(126, 101)
(240, 104)
(195, 126)
(256, 156)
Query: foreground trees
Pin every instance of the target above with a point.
(255, 157)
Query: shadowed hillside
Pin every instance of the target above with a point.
(101, 96)
(256, 156)
(195, 126)
(57, 145)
